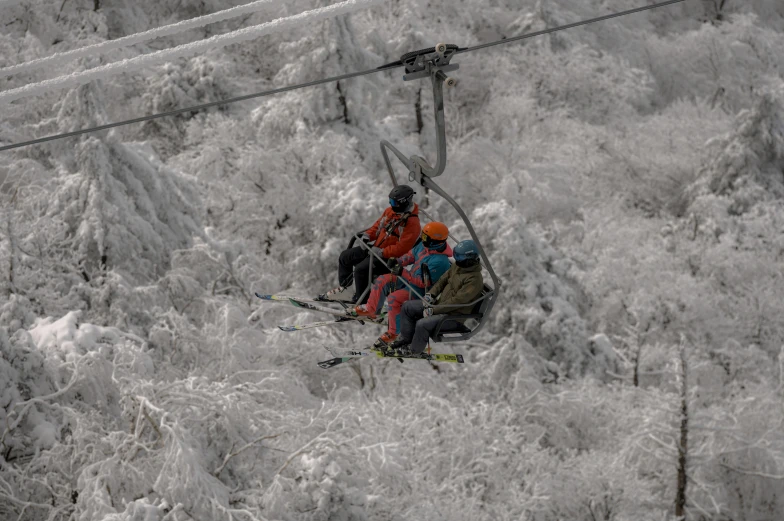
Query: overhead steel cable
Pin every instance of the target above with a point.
(567, 26)
(270, 92)
(188, 109)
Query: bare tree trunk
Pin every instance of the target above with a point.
(637, 357)
(418, 109)
(342, 98)
(714, 11)
(96, 5)
(680, 496)
(61, 11)
(9, 230)
(358, 369)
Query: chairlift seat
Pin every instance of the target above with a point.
(460, 331)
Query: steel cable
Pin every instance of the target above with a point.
(390, 66)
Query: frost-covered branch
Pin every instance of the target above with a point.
(134, 39)
(186, 50)
(777, 477)
(242, 449)
(75, 375)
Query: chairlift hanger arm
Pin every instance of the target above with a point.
(426, 63)
(403, 159)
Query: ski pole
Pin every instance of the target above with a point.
(426, 280)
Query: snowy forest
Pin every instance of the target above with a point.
(626, 179)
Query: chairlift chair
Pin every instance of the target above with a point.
(434, 63)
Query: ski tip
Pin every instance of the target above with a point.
(263, 297)
(288, 328)
(326, 364)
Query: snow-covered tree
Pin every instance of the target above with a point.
(623, 177)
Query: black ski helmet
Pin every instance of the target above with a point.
(401, 198)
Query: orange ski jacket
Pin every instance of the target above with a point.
(395, 233)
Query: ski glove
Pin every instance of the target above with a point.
(366, 239)
(378, 251)
(430, 299)
(394, 267)
(427, 312)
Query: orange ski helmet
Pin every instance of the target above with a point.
(434, 234)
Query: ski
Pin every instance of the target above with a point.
(332, 362)
(433, 357)
(300, 303)
(300, 327)
(307, 305)
(343, 355)
(286, 298)
(346, 355)
(349, 353)
(305, 302)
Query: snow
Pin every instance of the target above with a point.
(44, 434)
(624, 179)
(66, 334)
(186, 50)
(61, 58)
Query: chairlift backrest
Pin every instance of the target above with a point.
(462, 331)
(481, 307)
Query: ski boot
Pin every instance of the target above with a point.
(363, 311)
(400, 347)
(385, 339)
(338, 294)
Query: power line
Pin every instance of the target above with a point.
(389, 66)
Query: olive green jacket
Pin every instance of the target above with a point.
(457, 286)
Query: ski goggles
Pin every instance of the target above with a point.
(399, 203)
(432, 243)
(471, 254)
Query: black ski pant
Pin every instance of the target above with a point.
(417, 329)
(354, 263)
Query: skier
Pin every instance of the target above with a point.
(431, 254)
(462, 284)
(392, 235)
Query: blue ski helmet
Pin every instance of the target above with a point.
(466, 252)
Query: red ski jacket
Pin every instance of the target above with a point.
(395, 233)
